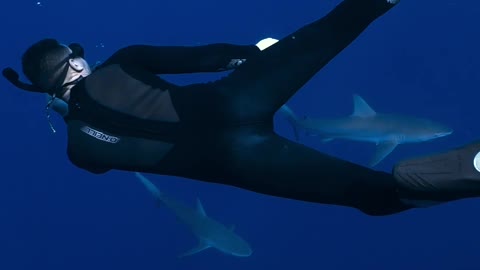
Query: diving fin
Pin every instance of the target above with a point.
(442, 177)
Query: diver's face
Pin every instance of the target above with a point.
(78, 67)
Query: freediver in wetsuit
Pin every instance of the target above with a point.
(123, 116)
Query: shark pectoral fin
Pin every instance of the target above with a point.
(201, 246)
(383, 149)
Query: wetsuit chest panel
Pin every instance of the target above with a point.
(133, 92)
(93, 148)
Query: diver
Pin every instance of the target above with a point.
(123, 116)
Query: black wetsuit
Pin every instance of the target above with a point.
(123, 116)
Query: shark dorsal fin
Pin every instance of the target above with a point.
(200, 209)
(361, 107)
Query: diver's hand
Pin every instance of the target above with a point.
(265, 43)
(234, 63)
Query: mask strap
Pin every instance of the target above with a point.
(61, 91)
(47, 112)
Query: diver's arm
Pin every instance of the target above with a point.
(184, 59)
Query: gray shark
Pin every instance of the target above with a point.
(366, 125)
(209, 232)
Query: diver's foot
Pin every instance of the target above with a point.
(442, 177)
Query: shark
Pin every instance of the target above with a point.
(387, 131)
(210, 233)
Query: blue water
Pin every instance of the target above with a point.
(421, 59)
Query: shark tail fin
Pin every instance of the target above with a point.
(292, 119)
(150, 186)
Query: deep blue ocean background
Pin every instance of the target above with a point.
(422, 58)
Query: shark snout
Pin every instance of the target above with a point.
(245, 253)
(243, 250)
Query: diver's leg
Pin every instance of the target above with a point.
(276, 166)
(255, 159)
(264, 83)
(442, 177)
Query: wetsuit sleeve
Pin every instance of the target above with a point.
(181, 59)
